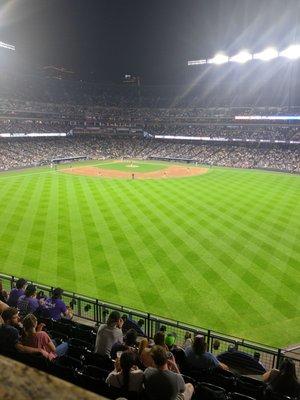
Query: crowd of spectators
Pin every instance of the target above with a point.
(24, 152)
(44, 105)
(134, 364)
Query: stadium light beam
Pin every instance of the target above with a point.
(266, 55)
(292, 52)
(218, 59)
(242, 57)
(7, 46)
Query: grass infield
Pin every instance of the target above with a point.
(220, 250)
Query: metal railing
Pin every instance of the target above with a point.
(97, 311)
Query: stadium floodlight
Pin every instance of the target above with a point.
(292, 52)
(266, 55)
(7, 46)
(218, 59)
(196, 62)
(242, 57)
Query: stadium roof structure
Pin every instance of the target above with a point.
(270, 53)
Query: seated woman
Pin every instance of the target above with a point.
(283, 381)
(198, 358)
(126, 375)
(54, 307)
(33, 336)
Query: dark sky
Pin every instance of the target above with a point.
(104, 39)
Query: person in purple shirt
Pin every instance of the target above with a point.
(54, 307)
(28, 303)
(17, 292)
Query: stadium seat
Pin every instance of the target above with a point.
(250, 387)
(239, 396)
(93, 378)
(83, 334)
(207, 391)
(81, 343)
(91, 358)
(223, 378)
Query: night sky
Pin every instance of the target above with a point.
(101, 40)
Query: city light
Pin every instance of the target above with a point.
(266, 55)
(7, 46)
(218, 59)
(292, 52)
(242, 57)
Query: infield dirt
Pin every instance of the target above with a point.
(174, 171)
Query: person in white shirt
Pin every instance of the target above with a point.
(127, 375)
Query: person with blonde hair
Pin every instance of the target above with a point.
(33, 336)
(144, 355)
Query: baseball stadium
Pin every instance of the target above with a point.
(156, 225)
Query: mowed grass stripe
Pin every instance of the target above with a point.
(21, 234)
(47, 271)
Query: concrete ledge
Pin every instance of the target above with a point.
(20, 382)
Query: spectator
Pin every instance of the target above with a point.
(198, 358)
(17, 292)
(28, 303)
(283, 381)
(162, 384)
(33, 336)
(144, 354)
(108, 334)
(187, 339)
(54, 307)
(9, 335)
(130, 324)
(3, 293)
(127, 375)
(129, 344)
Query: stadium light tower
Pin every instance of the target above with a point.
(266, 55)
(270, 53)
(292, 52)
(218, 59)
(242, 57)
(7, 46)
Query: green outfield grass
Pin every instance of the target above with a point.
(220, 250)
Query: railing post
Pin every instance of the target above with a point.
(96, 311)
(148, 326)
(79, 305)
(208, 338)
(278, 358)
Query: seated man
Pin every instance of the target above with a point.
(28, 303)
(17, 292)
(198, 358)
(54, 307)
(108, 334)
(9, 334)
(163, 384)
